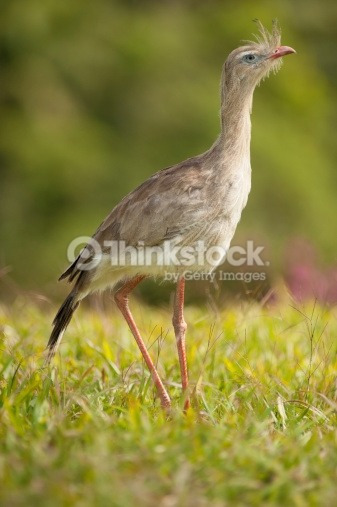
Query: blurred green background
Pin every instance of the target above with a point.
(96, 96)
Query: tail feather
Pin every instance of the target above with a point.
(71, 272)
(60, 323)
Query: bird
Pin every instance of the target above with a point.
(196, 202)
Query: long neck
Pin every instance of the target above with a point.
(235, 134)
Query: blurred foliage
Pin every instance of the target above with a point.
(96, 96)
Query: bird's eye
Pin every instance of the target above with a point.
(249, 58)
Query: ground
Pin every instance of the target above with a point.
(89, 430)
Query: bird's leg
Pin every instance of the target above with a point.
(122, 301)
(180, 327)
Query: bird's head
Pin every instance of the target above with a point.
(247, 65)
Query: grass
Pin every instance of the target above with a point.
(89, 431)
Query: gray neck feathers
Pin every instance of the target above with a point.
(236, 106)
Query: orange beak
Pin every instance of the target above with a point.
(282, 51)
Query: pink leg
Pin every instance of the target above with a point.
(122, 301)
(180, 327)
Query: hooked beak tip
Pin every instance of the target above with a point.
(281, 51)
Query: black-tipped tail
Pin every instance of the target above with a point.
(61, 321)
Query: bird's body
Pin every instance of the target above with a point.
(198, 200)
(184, 196)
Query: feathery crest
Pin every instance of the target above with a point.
(265, 38)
